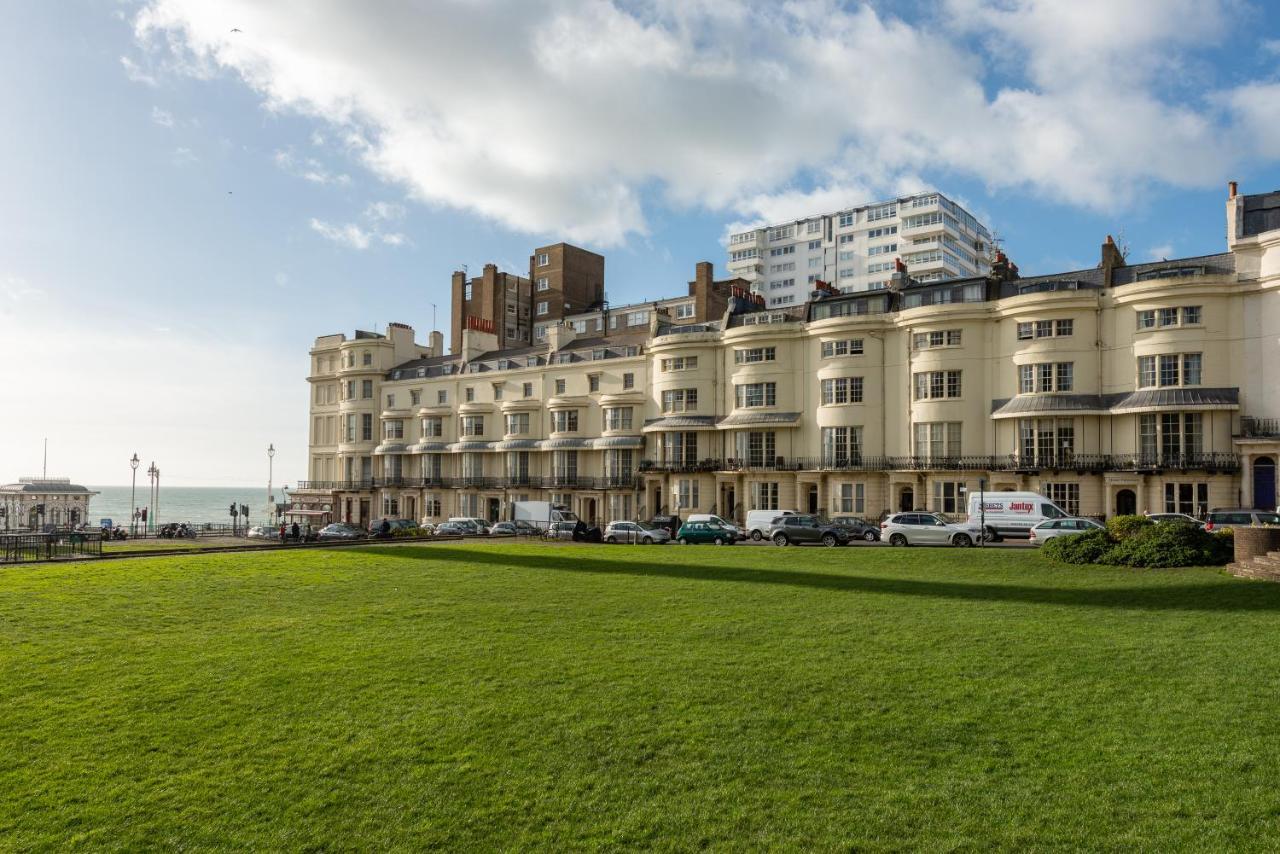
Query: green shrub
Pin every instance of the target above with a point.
(1124, 527)
(1088, 547)
(1144, 545)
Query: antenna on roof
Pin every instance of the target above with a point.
(44, 469)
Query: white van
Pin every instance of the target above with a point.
(1011, 514)
(759, 521)
(711, 517)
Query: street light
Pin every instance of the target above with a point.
(133, 496)
(271, 452)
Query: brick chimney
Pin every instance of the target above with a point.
(1111, 260)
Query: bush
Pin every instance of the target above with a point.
(1122, 528)
(1088, 547)
(1144, 545)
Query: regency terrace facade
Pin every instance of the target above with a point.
(1116, 389)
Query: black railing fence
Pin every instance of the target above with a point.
(17, 548)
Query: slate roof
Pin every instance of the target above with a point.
(1036, 403)
(745, 419)
(680, 422)
(1159, 398)
(40, 487)
(1261, 212)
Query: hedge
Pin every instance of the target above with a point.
(1135, 541)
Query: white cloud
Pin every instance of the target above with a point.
(309, 169)
(350, 234)
(17, 289)
(384, 211)
(765, 110)
(282, 280)
(1161, 252)
(183, 156)
(135, 73)
(163, 118)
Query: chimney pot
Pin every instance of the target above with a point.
(1232, 187)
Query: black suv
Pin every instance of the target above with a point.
(797, 530)
(859, 529)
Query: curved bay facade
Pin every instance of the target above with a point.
(1114, 389)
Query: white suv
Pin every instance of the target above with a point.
(912, 529)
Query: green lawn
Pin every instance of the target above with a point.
(479, 696)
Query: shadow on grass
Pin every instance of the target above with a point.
(1231, 595)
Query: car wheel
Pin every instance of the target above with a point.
(989, 535)
(780, 540)
(962, 541)
(718, 541)
(611, 540)
(829, 540)
(757, 536)
(648, 541)
(869, 536)
(897, 540)
(684, 541)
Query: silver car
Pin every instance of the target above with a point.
(635, 532)
(1050, 528)
(925, 529)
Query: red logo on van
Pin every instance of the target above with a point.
(1021, 507)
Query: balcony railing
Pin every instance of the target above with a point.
(1259, 428)
(555, 481)
(1082, 463)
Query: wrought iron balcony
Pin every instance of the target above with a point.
(1258, 428)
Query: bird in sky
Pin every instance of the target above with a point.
(236, 30)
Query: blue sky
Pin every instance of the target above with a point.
(186, 208)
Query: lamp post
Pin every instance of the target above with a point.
(153, 488)
(133, 496)
(271, 452)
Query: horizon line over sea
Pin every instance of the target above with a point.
(182, 503)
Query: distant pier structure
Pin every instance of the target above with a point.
(34, 502)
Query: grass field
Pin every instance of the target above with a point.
(485, 696)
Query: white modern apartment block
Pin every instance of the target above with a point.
(855, 249)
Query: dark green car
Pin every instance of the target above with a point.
(691, 533)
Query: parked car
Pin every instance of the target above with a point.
(427, 528)
(716, 520)
(670, 524)
(1229, 517)
(471, 524)
(1159, 518)
(911, 529)
(1050, 528)
(635, 532)
(503, 529)
(393, 525)
(859, 529)
(1010, 514)
(263, 532)
(800, 529)
(451, 529)
(560, 530)
(339, 531)
(760, 521)
(691, 533)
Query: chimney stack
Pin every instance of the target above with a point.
(1232, 187)
(1111, 260)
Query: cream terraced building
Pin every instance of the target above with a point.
(1116, 389)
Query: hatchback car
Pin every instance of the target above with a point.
(635, 532)
(799, 529)
(560, 530)
(691, 533)
(1227, 518)
(518, 528)
(1050, 528)
(912, 529)
(340, 531)
(1164, 518)
(451, 529)
(859, 529)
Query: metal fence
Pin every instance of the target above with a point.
(60, 545)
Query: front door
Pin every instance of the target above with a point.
(1126, 503)
(1264, 483)
(813, 500)
(364, 512)
(906, 500)
(495, 508)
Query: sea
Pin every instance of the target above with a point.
(182, 503)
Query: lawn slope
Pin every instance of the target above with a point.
(481, 696)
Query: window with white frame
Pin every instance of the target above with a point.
(685, 310)
(544, 284)
(756, 448)
(1046, 441)
(1046, 377)
(680, 400)
(679, 363)
(841, 390)
(937, 439)
(782, 232)
(852, 498)
(542, 308)
(1189, 498)
(842, 347)
(472, 425)
(948, 496)
(544, 259)
(754, 355)
(564, 421)
(618, 418)
(432, 427)
(1170, 369)
(637, 318)
(686, 495)
(680, 449)
(764, 496)
(394, 429)
(747, 395)
(937, 385)
(560, 386)
(1065, 495)
(527, 389)
(1170, 436)
(517, 423)
(841, 446)
(939, 338)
